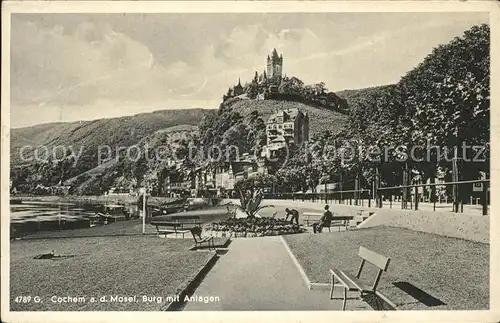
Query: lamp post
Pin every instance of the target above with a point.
(144, 211)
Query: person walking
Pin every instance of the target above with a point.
(295, 215)
(324, 221)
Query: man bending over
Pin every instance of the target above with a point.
(294, 213)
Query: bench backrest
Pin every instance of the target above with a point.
(189, 217)
(381, 262)
(166, 224)
(374, 258)
(342, 218)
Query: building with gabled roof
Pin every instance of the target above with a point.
(287, 127)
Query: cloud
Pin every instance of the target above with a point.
(49, 65)
(96, 65)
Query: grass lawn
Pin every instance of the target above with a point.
(101, 266)
(440, 273)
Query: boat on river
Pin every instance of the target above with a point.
(109, 213)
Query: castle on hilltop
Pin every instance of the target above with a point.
(273, 84)
(263, 84)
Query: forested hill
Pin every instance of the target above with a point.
(353, 97)
(114, 132)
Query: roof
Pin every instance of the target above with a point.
(288, 115)
(279, 139)
(238, 86)
(237, 166)
(274, 56)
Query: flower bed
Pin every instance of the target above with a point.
(254, 227)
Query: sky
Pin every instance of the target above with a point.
(70, 67)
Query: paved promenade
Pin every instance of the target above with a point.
(423, 206)
(310, 206)
(259, 274)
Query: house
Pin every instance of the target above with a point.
(286, 128)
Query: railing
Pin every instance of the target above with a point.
(414, 198)
(348, 197)
(378, 197)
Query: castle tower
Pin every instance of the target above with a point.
(275, 66)
(238, 89)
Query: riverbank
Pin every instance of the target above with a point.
(80, 199)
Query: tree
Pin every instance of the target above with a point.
(319, 88)
(252, 89)
(291, 86)
(451, 97)
(251, 193)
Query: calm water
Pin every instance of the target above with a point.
(33, 211)
(39, 216)
(30, 217)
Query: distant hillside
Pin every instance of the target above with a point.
(320, 119)
(115, 132)
(167, 137)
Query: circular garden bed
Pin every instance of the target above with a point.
(254, 227)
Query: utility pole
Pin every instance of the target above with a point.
(455, 173)
(341, 187)
(356, 188)
(378, 196)
(404, 199)
(484, 197)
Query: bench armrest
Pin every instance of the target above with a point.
(338, 274)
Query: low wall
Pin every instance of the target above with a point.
(468, 227)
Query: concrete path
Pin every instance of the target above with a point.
(422, 206)
(473, 209)
(258, 274)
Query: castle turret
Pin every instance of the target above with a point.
(238, 89)
(275, 67)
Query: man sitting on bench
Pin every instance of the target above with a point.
(294, 213)
(324, 221)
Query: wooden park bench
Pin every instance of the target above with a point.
(337, 220)
(176, 226)
(341, 221)
(350, 282)
(308, 221)
(199, 241)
